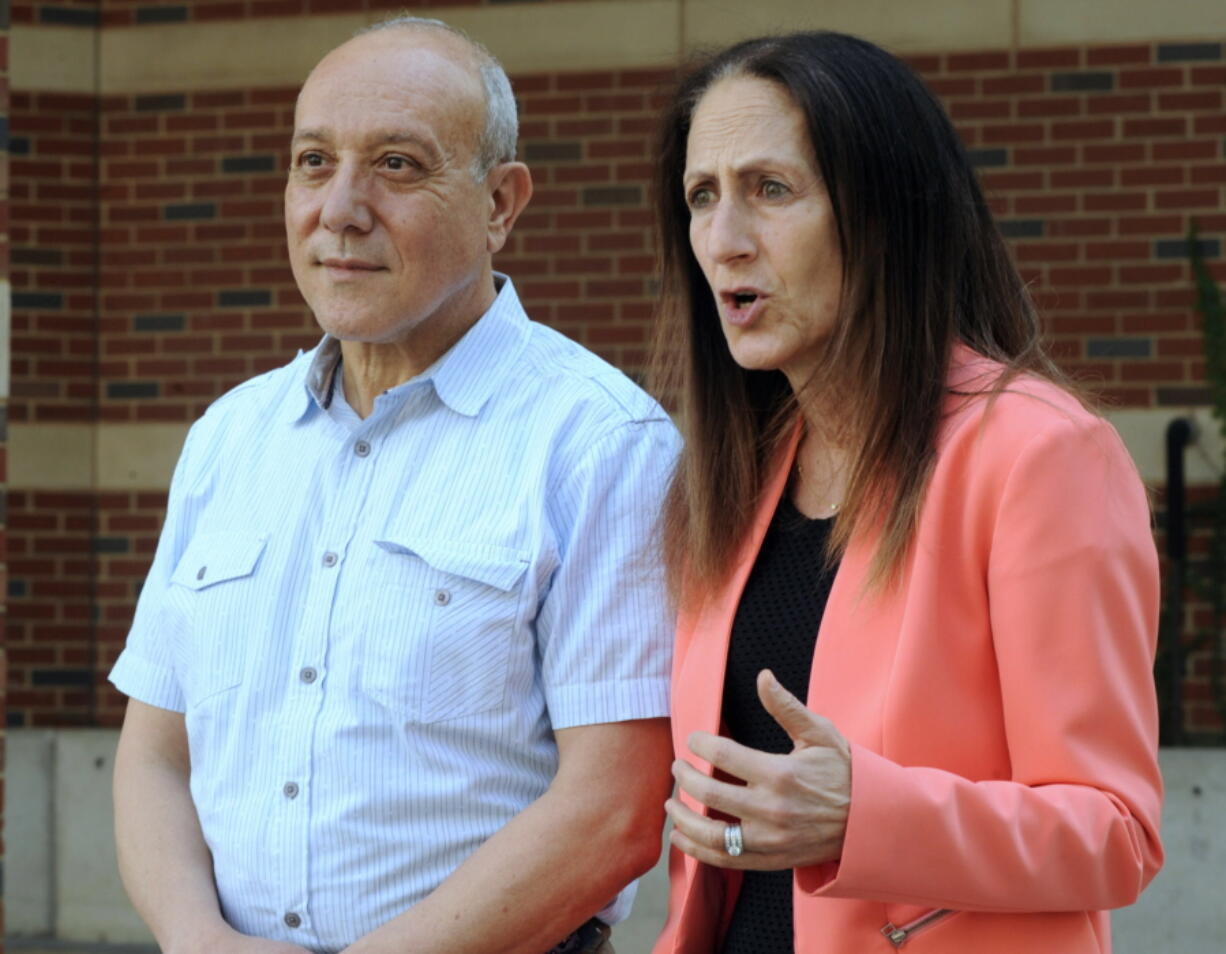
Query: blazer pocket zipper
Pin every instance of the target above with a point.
(898, 936)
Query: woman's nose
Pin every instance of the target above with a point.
(346, 202)
(730, 234)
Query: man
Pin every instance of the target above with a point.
(398, 673)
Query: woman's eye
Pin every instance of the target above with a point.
(697, 198)
(774, 190)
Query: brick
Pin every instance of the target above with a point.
(1012, 85)
(1143, 128)
(1184, 151)
(67, 16)
(1029, 205)
(1207, 75)
(1200, 100)
(1082, 178)
(1049, 106)
(988, 158)
(1079, 227)
(1150, 224)
(1056, 58)
(1150, 274)
(161, 14)
(1046, 156)
(1124, 103)
(244, 298)
(1187, 199)
(1123, 152)
(950, 86)
(161, 102)
(1179, 248)
(613, 195)
(1083, 130)
(196, 210)
(1119, 55)
(1082, 82)
(979, 62)
(1021, 228)
(1013, 133)
(1153, 175)
(32, 300)
(1151, 78)
(1209, 175)
(1119, 348)
(1185, 52)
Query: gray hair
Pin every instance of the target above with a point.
(498, 138)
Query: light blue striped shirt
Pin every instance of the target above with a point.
(373, 626)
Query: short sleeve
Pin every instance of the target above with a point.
(145, 670)
(604, 629)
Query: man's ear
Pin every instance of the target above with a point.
(510, 185)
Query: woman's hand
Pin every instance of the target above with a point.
(792, 808)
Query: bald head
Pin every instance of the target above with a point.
(500, 120)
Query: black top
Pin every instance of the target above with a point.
(775, 628)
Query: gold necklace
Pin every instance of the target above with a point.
(833, 508)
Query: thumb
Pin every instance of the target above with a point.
(804, 727)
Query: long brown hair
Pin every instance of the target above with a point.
(924, 266)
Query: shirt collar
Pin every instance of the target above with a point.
(464, 377)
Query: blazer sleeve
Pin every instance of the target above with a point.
(1072, 582)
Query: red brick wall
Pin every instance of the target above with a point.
(1096, 159)
(4, 269)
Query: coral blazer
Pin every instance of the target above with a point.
(998, 699)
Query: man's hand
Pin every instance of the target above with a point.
(792, 808)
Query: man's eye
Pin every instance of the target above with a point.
(399, 163)
(311, 160)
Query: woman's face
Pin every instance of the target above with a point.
(761, 226)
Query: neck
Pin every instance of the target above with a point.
(368, 368)
(821, 470)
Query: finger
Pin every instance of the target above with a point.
(802, 725)
(727, 797)
(739, 761)
(717, 856)
(699, 829)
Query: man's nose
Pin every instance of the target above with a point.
(347, 202)
(730, 233)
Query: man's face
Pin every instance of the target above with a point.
(387, 227)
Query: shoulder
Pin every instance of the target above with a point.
(987, 409)
(1030, 440)
(582, 385)
(245, 412)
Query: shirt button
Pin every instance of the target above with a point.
(361, 448)
(308, 675)
(293, 920)
(442, 597)
(290, 789)
(329, 559)
(200, 573)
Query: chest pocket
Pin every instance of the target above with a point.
(443, 627)
(216, 592)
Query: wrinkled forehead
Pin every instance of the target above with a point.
(392, 77)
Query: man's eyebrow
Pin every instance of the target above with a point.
(392, 138)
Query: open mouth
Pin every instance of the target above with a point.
(743, 299)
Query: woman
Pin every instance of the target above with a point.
(891, 507)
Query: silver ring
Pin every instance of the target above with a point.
(734, 841)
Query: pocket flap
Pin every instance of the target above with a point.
(499, 567)
(216, 557)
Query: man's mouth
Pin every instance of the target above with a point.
(351, 264)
